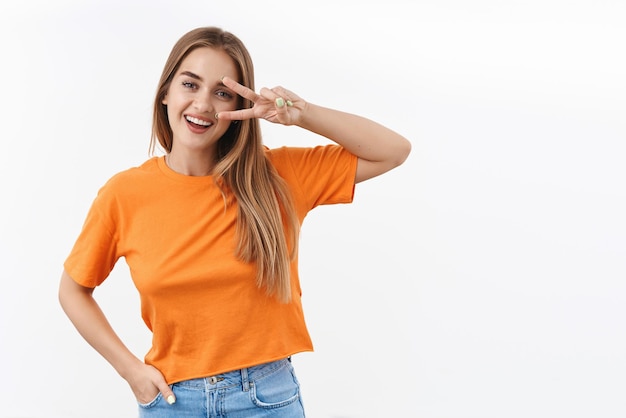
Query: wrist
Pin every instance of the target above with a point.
(307, 115)
(128, 367)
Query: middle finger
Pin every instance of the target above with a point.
(240, 89)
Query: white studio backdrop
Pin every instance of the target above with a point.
(484, 278)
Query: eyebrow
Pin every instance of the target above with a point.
(192, 75)
(197, 77)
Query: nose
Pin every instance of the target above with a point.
(202, 103)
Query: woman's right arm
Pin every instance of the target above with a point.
(82, 309)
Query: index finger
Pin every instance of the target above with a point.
(240, 89)
(241, 114)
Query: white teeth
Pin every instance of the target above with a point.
(198, 121)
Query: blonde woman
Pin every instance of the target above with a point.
(210, 233)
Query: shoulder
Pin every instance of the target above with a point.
(133, 175)
(130, 180)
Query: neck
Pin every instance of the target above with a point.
(196, 165)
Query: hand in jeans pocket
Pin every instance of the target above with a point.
(147, 382)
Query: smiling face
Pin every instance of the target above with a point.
(195, 94)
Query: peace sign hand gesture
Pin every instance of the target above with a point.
(276, 105)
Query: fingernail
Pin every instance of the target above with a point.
(217, 116)
(171, 399)
(289, 103)
(280, 102)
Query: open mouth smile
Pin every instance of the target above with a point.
(198, 123)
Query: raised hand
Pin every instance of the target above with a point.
(276, 105)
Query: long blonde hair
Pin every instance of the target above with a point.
(267, 225)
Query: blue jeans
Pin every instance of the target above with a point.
(267, 390)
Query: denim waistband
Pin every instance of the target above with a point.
(240, 377)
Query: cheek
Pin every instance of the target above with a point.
(168, 111)
(225, 106)
(173, 105)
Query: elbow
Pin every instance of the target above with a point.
(402, 152)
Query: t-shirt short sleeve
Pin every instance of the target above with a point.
(322, 175)
(95, 251)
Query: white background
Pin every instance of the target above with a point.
(483, 278)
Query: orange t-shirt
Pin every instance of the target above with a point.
(201, 303)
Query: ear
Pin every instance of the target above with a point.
(164, 101)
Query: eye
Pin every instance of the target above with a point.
(189, 85)
(224, 94)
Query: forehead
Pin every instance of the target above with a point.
(209, 63)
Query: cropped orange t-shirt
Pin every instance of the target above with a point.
(201, 303)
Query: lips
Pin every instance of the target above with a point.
(197, 125)
(199, 122)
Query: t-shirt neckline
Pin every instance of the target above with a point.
(168, 172)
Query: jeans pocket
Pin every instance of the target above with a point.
(152, 403)
(275, 390)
